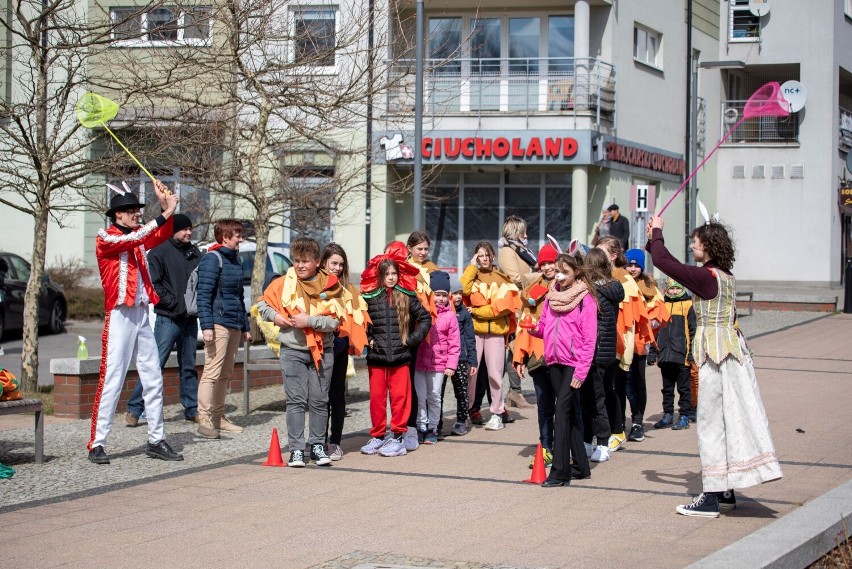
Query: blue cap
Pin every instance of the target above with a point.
(636, 257)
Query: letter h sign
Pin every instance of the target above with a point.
(642, 197)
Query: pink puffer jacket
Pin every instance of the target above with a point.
(570, 337)
(444, 346)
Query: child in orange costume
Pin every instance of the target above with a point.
(636, 389)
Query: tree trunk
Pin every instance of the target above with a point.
(29, 355)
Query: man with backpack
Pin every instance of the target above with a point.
(171, 265)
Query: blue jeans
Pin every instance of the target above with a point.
(167, 333)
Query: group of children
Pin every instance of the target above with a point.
(584, 327)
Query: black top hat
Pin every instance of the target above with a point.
(120, 202)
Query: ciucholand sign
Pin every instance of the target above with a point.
(494, 147)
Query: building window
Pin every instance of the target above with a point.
(743, 26)
(647, 47)
(161, 26)
(312, 196)
(315, 33)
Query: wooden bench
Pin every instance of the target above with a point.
(27, 406)
(746, 295)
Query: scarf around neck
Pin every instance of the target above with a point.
(566, 300)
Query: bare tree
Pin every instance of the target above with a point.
(282, 89)
(44, 152)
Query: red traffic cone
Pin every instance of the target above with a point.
(274, 457)
(539, 474)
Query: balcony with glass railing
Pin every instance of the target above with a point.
(511, 86)
(774, 130)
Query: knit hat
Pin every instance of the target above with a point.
(636, 257)
(439, 281)
(674, 289)
(547, 254)
(181, 221)
(455, 284)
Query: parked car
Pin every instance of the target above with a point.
(277, 263)
(53, 308)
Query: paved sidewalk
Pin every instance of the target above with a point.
(457, 504)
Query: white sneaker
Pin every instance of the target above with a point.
(335, 452)
(372, 446)
(410, 439)
(590, 448)
(495, 423)
(601, 454)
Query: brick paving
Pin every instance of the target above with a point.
(458, 504)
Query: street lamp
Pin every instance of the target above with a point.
(418, 115)
(692, 194)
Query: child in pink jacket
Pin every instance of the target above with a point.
(436, 358)
(569, 327)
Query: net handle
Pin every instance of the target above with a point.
(138, 163)
(706, 158)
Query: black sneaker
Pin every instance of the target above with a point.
(318, 455)
(98, 455)
(727, 501)
(297, 459)
(705, 505)
(637, 433)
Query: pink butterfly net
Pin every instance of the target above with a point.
(765, 102)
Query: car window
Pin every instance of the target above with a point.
(247, 262)
(21, 268)
(282, 263)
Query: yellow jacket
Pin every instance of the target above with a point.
(484, 319)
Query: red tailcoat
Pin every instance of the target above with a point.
(120, 258)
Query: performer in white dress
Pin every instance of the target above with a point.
(734, 443)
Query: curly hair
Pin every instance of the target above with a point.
(717, 242)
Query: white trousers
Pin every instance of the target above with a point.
(734, 443)
(428, 385)
(128, 333)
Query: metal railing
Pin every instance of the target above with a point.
(508, 85)
(758, 129)
(845, 119)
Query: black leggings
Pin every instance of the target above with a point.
(636, 389)
(568, 434)
(593, 397)
(613, 403)
(337, 399)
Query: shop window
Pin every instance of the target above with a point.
(161, 26)
(315, 30)
(743, 26)
(647, 47)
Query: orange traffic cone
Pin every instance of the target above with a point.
(274, 457)
(539, 474)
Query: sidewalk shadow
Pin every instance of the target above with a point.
(690, 481)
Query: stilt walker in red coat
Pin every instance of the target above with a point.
(120, 251)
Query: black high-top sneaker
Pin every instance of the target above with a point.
(706, 505)
(727, 501)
